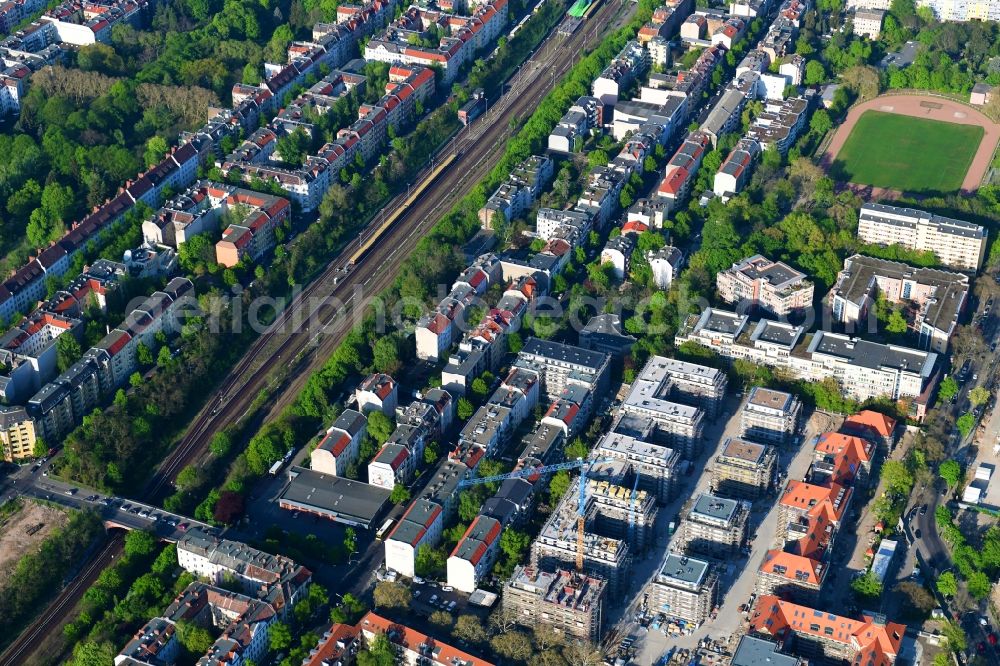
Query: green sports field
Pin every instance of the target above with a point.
(906, 153)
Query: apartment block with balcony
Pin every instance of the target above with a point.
(933, 300)
(686, 588)
(770, 416)
(744, 470)
(569, 602)
(713, 527)
(957, 243)
(757, 283)
(655, 464)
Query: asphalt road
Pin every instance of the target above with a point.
(303, 350)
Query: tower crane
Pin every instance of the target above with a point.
(538, 471)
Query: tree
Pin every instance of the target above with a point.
(93, 653)
(951, 472)
(163, 357)
(68, 351)
(867, 586)
(559, 485)
(896, 324)
(979, 585)
(195, 640)
(820, 123)
(221, 443)
(380, 427)
(576, 449)
(40, 448)
(469, 628)
(582, 653)
(379, 653)
(400, 494)
(480, 388)
(279, 637)
(980, 395)
(441, 618)
(947, 389)
(947, 584)
(156, 148)
(392, 595)
(139, 543)
(432, 451)
(513, 645)
(430, 562)
(385, 355)
(918, 601)
(464, 409)
(955, 634)
(228, 508)
(350, 542)
(514, 543)
(815, 73)
(292, 147)
(965, 423)
(144, 355)
(898, 480)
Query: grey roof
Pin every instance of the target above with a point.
(776, 273)
(872, 354)
(881, 213)
(351, 421)
(564, 353)
(777, 333)
(858, 281)
(687, 571)
(771, 398)
(335, 496)
(714, 508)
(753, 651)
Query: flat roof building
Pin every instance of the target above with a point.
(957, 243)
(685, 589)
(655, 464)
(570, 603)
(336, 498)
(713, 527)
(744, 470)
(770, 416)
(757, 283)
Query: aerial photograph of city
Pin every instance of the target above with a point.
(499, 332)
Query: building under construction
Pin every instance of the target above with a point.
(570, 603)
(558, 544)
(685, 589)
(621, 513)
(655, 464)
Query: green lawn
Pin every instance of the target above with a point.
(905, 153)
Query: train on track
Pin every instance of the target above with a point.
(373, 237)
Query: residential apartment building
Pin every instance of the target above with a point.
(271, 578)
(393, 464)
(842, 459)
(341, 444)
(754, 651)
(570, 603)
(864, 369)
(631, 62)
(682, 168)
(412, 647)
(713, 527)
(244, 623)
(474, 554)
(560, 365)
(770, 416)
(685, 588)
(934, 300)
(377, 393)
(868, 22)
(521, 189)
(463, 37)
(656, 465)
(17, 434)
(956, 243)
(826, 637)
(744, 470)
(422, 524)
(757, 283)
(782, 121)
(336, 647)
(736, 169)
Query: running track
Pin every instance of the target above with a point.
(945, 110)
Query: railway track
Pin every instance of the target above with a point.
(476, 150)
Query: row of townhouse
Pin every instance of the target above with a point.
(520, 191)
(269, 586)
(253, 218)
(422, 421)
(62, 403)
(14, 12)
(781, 35)
(462, 37)
(587, 115)
(713, 27)
(812, 511)
(663, 25)
(770, 85)
(335, 44)
(864, 369)
(630, 63)
(341, 643)
(367, 136)
(83, 23)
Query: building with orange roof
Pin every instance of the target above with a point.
(341, 444)
(873, 426)
(414, 648)
(474, 554)
(815, 635)
(841, 459)
(336, 647)
(790, 576)
(377, 393)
